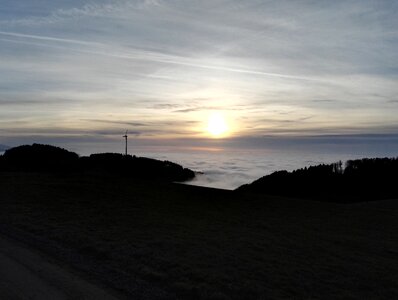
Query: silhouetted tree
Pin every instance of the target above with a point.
(39, 157)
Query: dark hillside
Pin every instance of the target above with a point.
(43, 158)
(167, 241)
(363, 179)
(137, 167)
(38, 157)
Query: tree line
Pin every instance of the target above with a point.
(356, 180)
(47, 158)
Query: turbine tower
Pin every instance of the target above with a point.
(125, 137)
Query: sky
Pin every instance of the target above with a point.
(80, 73)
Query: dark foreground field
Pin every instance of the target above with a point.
(169, 241)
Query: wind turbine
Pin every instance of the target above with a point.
(125, 137)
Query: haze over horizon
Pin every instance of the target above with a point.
(277, 72)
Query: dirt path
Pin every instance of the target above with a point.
(25, 274)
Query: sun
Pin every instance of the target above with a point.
(216, 125)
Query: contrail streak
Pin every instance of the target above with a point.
(47, 38)
(148, 56)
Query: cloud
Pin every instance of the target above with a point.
(66, 13)
(135, 124)
(136, 54)
(274, 67)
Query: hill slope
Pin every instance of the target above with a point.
(359, 180)
(45, 158)
(168, 241)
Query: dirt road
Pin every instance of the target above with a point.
(25, 274)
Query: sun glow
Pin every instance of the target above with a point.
(216, 125)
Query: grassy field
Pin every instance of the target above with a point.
(169, 241)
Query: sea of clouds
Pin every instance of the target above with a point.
(229, 170)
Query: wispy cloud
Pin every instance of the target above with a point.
(136, 54)
(135, 124)
(115, 8)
